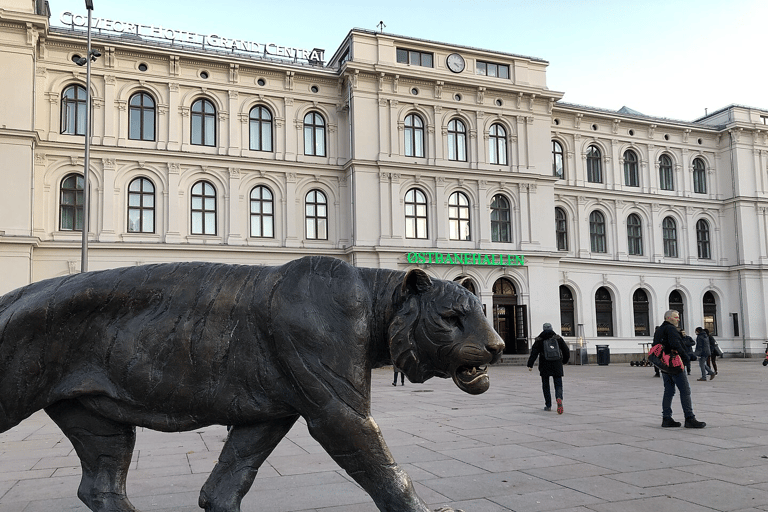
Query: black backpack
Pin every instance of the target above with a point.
(552, 349)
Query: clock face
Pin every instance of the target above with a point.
(455, 62)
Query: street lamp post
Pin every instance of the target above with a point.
(90, 56)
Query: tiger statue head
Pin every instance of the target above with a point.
(439, 330)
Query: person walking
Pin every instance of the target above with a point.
(553, 353)
(402, 376)
(668, 335)
(713, 348)
(703, 352)
(689, 344)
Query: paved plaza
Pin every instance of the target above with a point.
(498, 451)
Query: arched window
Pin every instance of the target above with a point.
(314, 134)
(666, 179)
(316, 215)
(497, 144)
(702, 239)
(594, 165)
(414, 136)
(141, 206)
(604, 312)
(262, 213)
(676, 303)
(699, 177)
(558, 161)
(203, 123)
(567, 312)
(669, 236)
(641, 310)
(260, 124)
(501, 226)
(416, 214)
(141, 117)
(597, 232)
(73, 110)
(71, 203)
(561, 229)
(710, 313)
(631, 173)
(458, 217)
(457, 140)
(203, 208)
(635, 235)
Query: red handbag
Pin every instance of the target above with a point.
(667, 363)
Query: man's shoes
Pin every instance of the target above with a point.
(703, 378)
(547, 408)
(669, 422)
(712, 376)
(559, 406)
(692, 422)
(394, 383)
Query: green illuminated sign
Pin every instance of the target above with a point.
(466, 258)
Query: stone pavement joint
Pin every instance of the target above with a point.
(499, 451)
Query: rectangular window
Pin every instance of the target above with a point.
(491, 69)
(415, 58)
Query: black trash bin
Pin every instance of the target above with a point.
(603, 355)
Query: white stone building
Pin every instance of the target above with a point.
(391, 152)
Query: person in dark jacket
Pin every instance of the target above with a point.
(711, 360)
(689, 344)
(668, 335)
(548, 368)
(702, 352)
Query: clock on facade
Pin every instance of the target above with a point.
(455, 62)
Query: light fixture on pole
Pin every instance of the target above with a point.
(90, 56)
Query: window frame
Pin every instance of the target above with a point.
(416, 214)
(484, 67)
(497, 144)
(666, 174)
(597, 237)
(415, 57)
(457, 140)
(142, 110)
(459, 216)
(203, 211)
(703, 245)
(631, 169)
(141, 208)
(77, 206)
(202, 116)
(669, 237)
(315, 220)
(558, 156)
(77, 119)
(634, 235)
(314, 128)
(699, 176)
(263, 218)
(499, 225)
(263, 128)
(561, 229)
(413, 135)
(594, 164)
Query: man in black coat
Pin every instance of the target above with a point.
(668, 335)
(550, 368)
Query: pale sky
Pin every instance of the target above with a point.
(672, 58)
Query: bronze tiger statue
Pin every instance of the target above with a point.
(179, 346)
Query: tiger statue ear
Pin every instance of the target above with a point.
(466, 282)
(416, 281)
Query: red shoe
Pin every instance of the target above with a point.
(559, 406)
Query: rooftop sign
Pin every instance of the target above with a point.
(467, 258)
(191, 38)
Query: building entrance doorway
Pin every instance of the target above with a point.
(510, 319)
